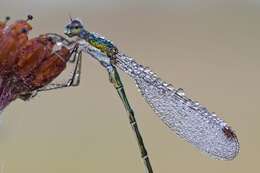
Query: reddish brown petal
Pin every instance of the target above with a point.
(36, 63)
(50, 68)
(2, 25)
(12, 39)
(31, 55)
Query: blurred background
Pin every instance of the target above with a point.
(209, 48)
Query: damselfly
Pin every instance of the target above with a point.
(188, 118)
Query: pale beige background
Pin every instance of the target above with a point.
(210, 48)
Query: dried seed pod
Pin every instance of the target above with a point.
(30, 67)
(37, 64)
(12, 39)
(2, 26)
(26, 65)
(50, 68)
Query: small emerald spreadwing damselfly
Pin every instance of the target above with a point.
(189, 119)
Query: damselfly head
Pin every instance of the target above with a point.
(73, 28)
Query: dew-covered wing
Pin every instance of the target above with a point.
(189, 119)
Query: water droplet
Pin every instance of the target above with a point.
(151, 72)
(189, 102)
(134, 64)
(59, 43)
(147, 70)
(223, 124)
(170, 87)
(147, 78)
(141, 68)
(129, 70)
(206, 114)
(196, 103)
(142, 75)
(213, 114)
(180, 92)
(165, 84)
(204, 110)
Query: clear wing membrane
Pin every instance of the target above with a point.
(189, 119)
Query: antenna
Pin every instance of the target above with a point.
(70, 18)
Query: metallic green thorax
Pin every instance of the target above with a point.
(100, 43)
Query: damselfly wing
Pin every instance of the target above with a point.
(187, 118)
